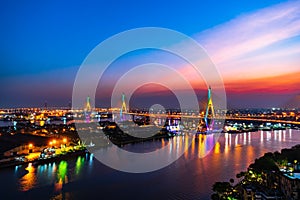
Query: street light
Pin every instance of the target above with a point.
(30, 148)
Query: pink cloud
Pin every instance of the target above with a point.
(240, 45)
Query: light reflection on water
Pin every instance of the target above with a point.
(28, 181)
(55, 173)
(208, 159)
(62, 175)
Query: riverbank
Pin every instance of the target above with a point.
(119, 137)
(59, 157)
(233, 154)
(272, 176)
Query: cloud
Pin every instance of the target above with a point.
(282, 84)
(242, 46)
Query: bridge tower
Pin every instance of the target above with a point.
(210, 112)
(88, 104)
(124, 106)
(87, 110)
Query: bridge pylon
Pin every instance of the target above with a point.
(209, 112)
(87, 105)
(124, 106)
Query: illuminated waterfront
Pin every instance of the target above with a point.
(190, 177)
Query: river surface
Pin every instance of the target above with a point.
(190, 177)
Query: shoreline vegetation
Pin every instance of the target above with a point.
(263, 177)
(119, 137)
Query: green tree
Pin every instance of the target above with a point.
(214, 196)
(223, 189)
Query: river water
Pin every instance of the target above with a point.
(190, 177)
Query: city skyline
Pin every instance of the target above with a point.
(255, 47)
(110, 99)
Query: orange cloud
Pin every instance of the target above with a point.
(286, 83)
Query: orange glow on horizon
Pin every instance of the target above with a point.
(286, 83)
(277, 84)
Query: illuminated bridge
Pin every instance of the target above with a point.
(216, 117)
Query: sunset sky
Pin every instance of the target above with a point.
(255, 45)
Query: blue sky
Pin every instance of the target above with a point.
(41, 40)
(45, 35)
